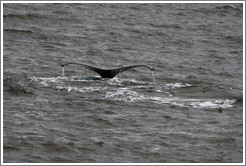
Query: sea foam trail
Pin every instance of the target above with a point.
(127, 95)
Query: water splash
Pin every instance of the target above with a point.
(63, 71)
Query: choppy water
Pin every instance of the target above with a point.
(191, 112)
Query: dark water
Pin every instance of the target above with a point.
(194, 112)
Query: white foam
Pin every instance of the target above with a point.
(45, 81)
(80, 89)
(177, 85)
(56, 80)
(213, 103)
(125, 94)
(117, 81)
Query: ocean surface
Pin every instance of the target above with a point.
(189, 110)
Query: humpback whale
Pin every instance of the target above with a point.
(109, 73)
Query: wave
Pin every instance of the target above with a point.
(23, 16)
(17, 31)
(228, 7)
(166, 26)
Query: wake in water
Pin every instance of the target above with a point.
(130, 90)
(128, 95)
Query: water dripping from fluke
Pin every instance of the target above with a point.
(153, 75)
(63, 69)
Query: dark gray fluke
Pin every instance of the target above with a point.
(108, 73)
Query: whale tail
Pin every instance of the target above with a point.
(108, 73)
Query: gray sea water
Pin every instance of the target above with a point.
(191, 113)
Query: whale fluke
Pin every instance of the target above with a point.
(107, 73)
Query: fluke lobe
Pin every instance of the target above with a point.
(107, 73)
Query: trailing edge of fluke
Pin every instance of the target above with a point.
(107, 73)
